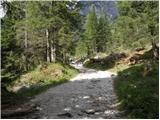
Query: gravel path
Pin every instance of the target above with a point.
(89, 95)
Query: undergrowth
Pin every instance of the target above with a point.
(35, 82)
(139, 94)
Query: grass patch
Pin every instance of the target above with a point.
(35, 82)
(106, 62)
(46, 74)
(139, 95)
(113, 66)
(119, 66)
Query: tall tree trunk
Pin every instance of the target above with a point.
(64, 56)
(53, 50)
(25, 39)
(26, 32)
(48, 48)
(88, 51)
(52, 46)
(25, 42)
(95, 47)
(26, 48)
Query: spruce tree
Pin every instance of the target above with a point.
(91, 31)
(103, 33)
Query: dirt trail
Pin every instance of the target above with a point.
(89, 95)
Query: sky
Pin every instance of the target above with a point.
(2, 13)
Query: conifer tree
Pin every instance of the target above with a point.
(91, 31)
(103, 33)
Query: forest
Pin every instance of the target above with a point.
(44, 44)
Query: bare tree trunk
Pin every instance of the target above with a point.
(88, 51)
(26, 32)
(64, 57)
(95, 47)
(25, 39)
(53, 48)
(47, 37)
(25, 47)
(25, 42)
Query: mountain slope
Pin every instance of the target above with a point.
(109, 8)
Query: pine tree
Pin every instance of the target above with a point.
(137, 24)
(91, 31)
(30, 33)
(103, 33)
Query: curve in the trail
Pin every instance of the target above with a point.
(89, 95)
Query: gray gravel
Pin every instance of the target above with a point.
(80, 98)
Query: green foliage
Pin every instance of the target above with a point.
(103, 34)
(24, 39)
(97, 33)
(45, 74)
(81, 49)
(138, 94)
(33, 31)
(90, 31)
(136, 26)
(39, 80)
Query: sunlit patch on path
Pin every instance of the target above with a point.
(91, 73)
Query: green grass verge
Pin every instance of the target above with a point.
(113, 66)
(46, 74)
(38, 80)
(138, 95)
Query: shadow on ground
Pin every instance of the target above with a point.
(139, 94)
(10, 100)
(86, 96)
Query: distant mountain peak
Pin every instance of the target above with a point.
(109, 8)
